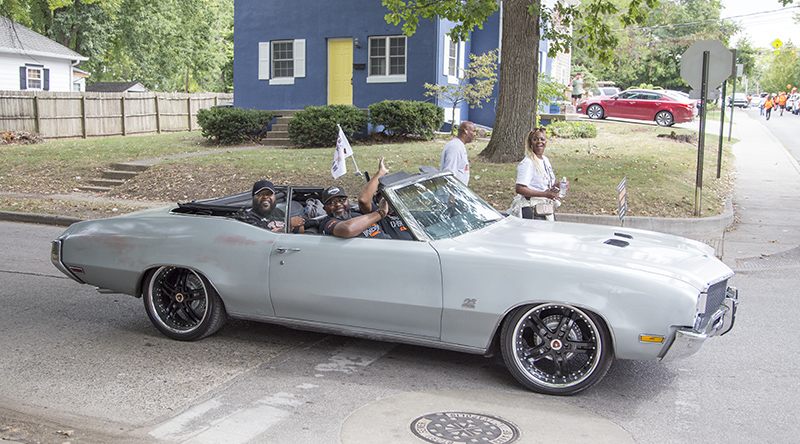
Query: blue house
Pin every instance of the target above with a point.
(291, 54)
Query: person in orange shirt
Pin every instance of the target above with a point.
(782, 101)
(768, 105)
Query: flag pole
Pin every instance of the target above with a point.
(358, 172)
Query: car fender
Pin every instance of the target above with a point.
(116, 253)
(481, 287)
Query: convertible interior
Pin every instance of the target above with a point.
(292, 197)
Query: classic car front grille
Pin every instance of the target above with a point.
(716, 296)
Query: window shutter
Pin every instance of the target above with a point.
(461, 67)
(300, 58)
(263, 60)
(46, 80)
(23, 78)
(446, 57)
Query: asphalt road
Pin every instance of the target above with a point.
(93, 367)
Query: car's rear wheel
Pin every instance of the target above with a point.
(556, 349)
(182, 304)
(595, 112)
(664, 118)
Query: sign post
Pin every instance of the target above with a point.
(622, 200)
(735, 74)
(706, 64)
(721, 131)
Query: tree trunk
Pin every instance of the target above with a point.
(519, 75)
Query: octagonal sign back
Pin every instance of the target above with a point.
(720, 63)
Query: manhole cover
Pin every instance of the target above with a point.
(460, 427)
(784, 259)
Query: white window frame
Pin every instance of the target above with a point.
(387, 78)
(449, 116)
(453, 63)
(265, 60)
(29, 79)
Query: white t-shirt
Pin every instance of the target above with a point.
(529, 175)
(454, 159)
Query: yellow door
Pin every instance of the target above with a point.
(340, 72)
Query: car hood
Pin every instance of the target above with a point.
(663, 254)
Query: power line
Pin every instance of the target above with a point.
(706, 22)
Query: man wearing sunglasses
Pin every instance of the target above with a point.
(343, 222)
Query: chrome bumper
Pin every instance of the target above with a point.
(55, 258)
(688, 340)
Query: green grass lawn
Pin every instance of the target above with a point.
(660, 172)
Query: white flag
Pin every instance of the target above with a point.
(339, 166)
(343, 143)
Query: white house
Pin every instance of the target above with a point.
(31, 61)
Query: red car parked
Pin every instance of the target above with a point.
(641, 104)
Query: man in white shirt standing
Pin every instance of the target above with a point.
(454, 154)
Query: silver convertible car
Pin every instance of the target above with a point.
(559, 301)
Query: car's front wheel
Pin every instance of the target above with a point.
(556, 349)
(664, 118)
(595, 112)
(182, 304)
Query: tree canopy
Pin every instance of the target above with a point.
(167, 45)
(524, 23)
(651, 54)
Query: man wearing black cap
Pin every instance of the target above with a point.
(264, 214)
(342, 222)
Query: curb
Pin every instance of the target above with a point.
(43, 219)
(686, 227)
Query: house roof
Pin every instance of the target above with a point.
(115, 87)
(17, 39)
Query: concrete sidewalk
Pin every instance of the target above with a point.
(766, 201)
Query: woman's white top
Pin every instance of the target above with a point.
(532, 177)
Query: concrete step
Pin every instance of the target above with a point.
(277, 135)
(129, 166)
(276, 142)
(118, 174)
(106, 182)
(95, 189)
(280, 127)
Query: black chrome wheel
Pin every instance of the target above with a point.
(556, 349)
(664, 118)
(595, 112)
(182, 304)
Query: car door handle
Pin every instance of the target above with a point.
(282, 250)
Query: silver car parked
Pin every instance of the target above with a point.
(559, 301)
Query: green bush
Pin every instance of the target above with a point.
(402, 118)
(233, 125)
(572, 130)
(315, 126)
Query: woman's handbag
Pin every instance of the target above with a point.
(541, 206)
(543, 209)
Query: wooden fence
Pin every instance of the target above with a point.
(93, 114)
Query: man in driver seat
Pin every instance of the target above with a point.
(264, 214)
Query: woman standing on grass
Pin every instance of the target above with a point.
(536, 187)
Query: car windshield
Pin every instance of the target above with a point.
(442, 207)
